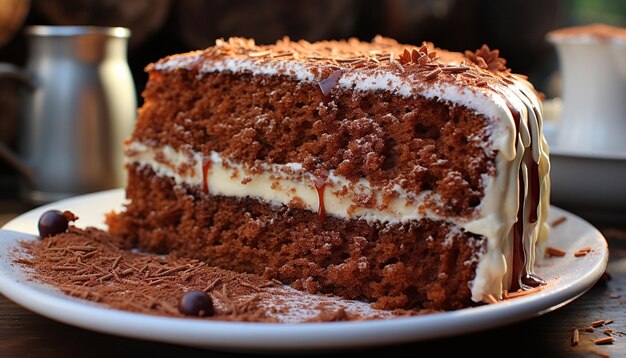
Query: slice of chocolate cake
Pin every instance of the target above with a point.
(408, 176)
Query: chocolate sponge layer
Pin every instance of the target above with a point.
(414, 142)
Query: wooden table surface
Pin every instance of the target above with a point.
(25, 334)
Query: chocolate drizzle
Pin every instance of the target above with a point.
(326, 85)
(207, 163)
(519, 256)
(533, 187)
(320, 186)
(516, 118)
(521, 278)
(535, 183)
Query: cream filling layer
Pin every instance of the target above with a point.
(286, 184)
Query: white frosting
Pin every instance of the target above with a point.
(495, 217)
(238, 65)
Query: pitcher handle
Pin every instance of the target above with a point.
(12, 72)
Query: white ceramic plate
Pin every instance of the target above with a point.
(568, 278)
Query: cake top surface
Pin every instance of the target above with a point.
(417, 65)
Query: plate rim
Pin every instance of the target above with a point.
(557, 151)
(270, 336)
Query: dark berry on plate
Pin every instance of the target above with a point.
(54, 222)
(196, 303)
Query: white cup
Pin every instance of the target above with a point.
(594, 92)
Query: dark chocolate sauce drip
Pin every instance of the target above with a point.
(532, 280)
(534, 183)
(533, 187)
(521, 278)
(207, 163)
(516, 119)
(519, 257)
(326, 85)
(320, 185)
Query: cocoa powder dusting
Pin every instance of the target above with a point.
(94, 265)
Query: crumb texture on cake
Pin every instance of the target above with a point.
(422, 264)
(389, 140)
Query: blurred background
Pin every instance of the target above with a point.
(163, 27)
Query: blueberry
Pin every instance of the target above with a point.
(196, 303)
(54, 222)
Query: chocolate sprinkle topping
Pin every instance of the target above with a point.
(326, 85)
(487, 59)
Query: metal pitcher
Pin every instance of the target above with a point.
(78, 107)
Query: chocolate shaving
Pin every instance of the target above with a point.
(455, 69)
(170, 271)
(584, 251)
(82, 248)
(558, 221)
(249, 285)
(63, 268)
(115, 274)
(24, 262)
(398, 65)
(106, 277)
(433, 74)
(156, 282)
(575, 337)
(211, 285)
(597, 323)
(116, 262)
(554, 252)
(260, 53)
(275, 55)
(90, 254)
(605, 340)
(278, 282)
(326, 85)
